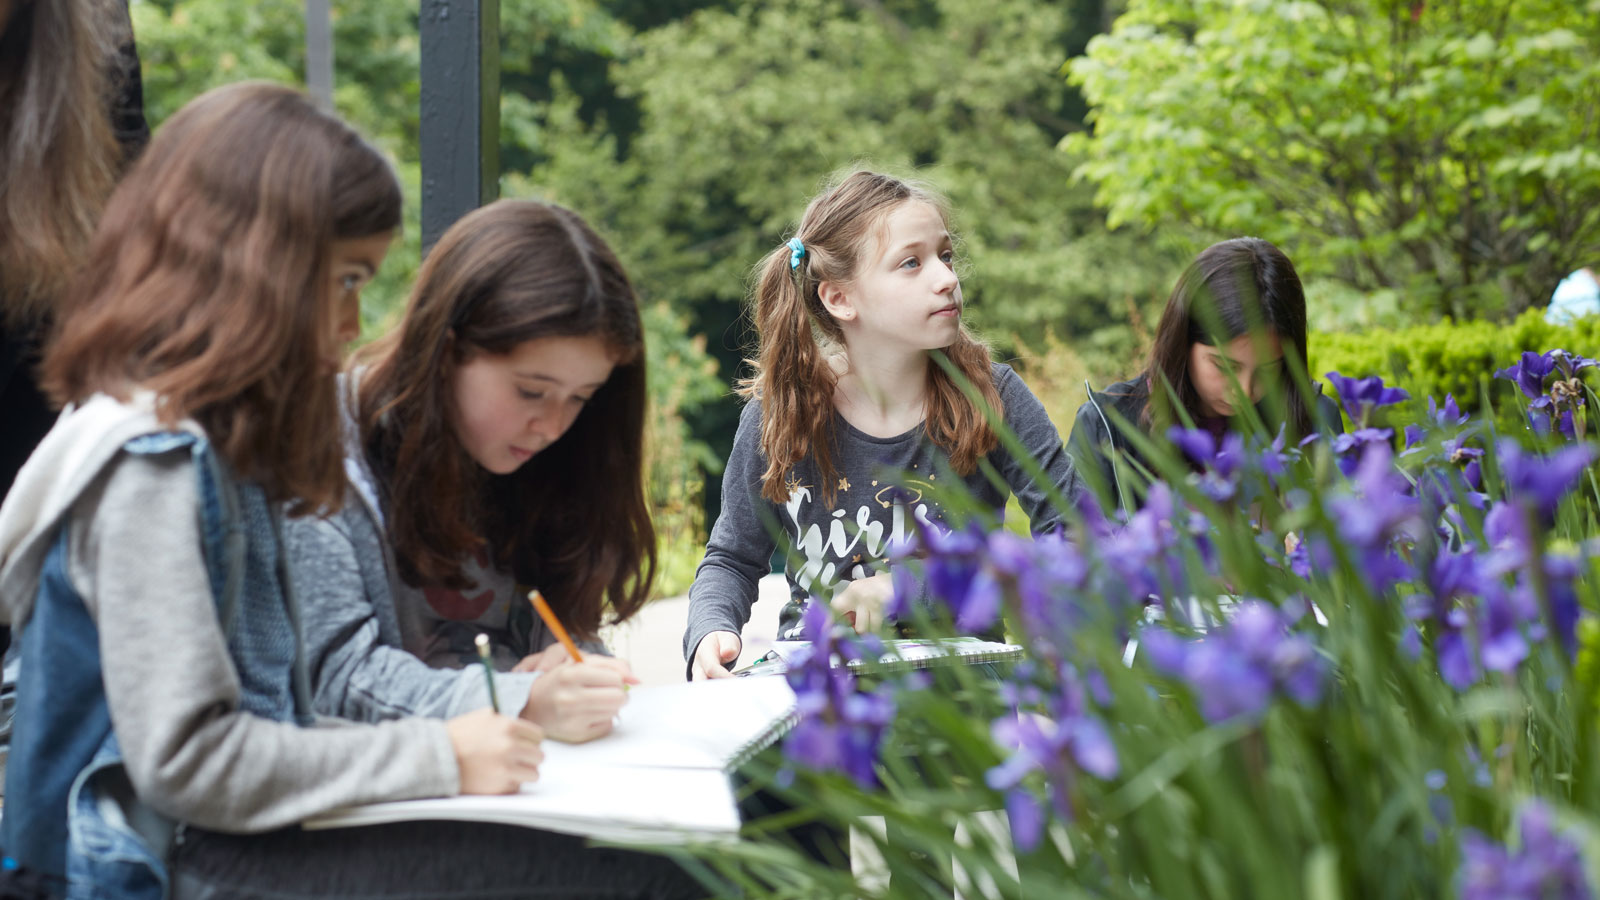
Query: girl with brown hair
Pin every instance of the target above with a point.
(1224, 340)
(165, 741)
(849, 423)
(495, 442)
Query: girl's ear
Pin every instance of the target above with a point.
(836, 301)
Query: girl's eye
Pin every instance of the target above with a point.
(530, 395)
(579, 400)
(910, 262)
(948, 257)
(350, 282)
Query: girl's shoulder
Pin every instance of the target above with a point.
(750, 412)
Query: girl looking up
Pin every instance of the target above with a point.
(850, 426)
(494, 441)
(164, 740)
(1236, 312)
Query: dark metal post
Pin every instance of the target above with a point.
(460, 110)
(319, 52)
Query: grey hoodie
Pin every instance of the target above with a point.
(171, 687)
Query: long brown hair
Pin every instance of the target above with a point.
(793, 378)
(58, 156)
(1231, 289)
(573, 519)
(208, 282)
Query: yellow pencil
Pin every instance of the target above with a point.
(554, 624)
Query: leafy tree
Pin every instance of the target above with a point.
(1440, 155)
(746, 111)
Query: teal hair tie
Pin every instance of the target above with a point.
(797, 252)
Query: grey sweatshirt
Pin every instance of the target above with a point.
(171, 687)
(849, 538)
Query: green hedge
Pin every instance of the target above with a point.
(1447, 357)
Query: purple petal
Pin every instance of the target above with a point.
(1092, 748)
(1455, 660)
(1027, 819)
(1197, 445)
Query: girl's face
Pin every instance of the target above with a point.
(1210, 368)
(511, 406)
(355, 261)
(905, 291)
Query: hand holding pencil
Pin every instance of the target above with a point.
(576, 697)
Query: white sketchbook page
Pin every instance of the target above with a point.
(698, 724)
(659, 776)
(624, 805)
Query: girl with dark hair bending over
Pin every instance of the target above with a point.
(495, 441)
(1235, 315)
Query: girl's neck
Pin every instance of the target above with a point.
(881, 394)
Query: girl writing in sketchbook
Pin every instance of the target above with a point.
(164, 741)
(850, 425)
(494, 439)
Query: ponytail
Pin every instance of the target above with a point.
(792, 376)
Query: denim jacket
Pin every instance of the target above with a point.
(71, 813)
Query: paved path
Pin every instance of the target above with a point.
(652, 641)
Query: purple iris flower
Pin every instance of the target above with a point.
(1529, 374)
(1384, 510)
(1360, 396)
(1070, 739)
(1056, 573)
(1237, 668)
(1274, 461)
(1350, 447)
(1566, 393)
(1415, 435)
(1449, 418)
(841, 727)
(1504, 646)
(1140, 557)
(1547, 865)
(1449, 415)
(1457, 664)
(1220, 461)
(1539, 482)
(1561, 586)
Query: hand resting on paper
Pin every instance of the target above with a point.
(862, 601)
(575, 702)
(495, 753)
(716, 650)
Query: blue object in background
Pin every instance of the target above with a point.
(1577, 295)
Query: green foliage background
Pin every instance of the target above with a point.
(1439, 159)
(1419, 161)
(1441, 358)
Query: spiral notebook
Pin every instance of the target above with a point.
(898, 655)
(661, 776)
